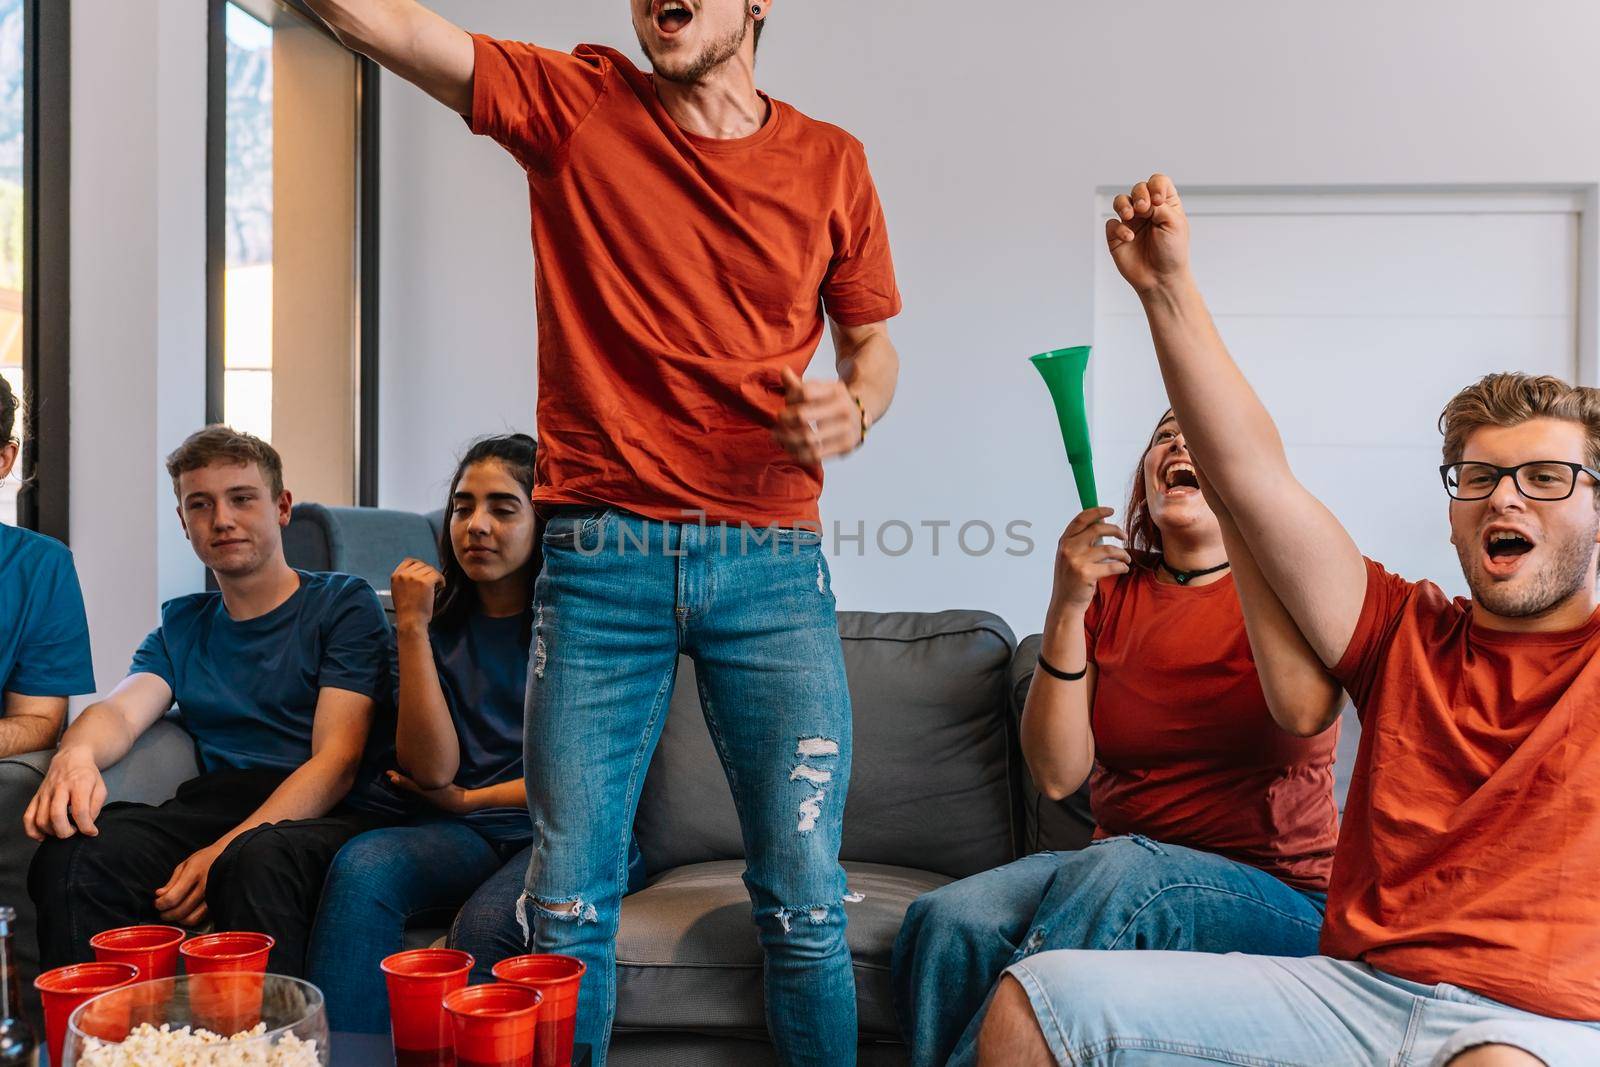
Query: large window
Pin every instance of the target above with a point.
(12, 111)
(34, 183)
(292, 198)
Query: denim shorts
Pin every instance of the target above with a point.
(1267, 1011)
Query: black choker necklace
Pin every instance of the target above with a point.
(1185, 577)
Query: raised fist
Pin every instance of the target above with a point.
(1149, 237)
(413, 587)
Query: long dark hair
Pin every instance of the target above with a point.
(458, 598)
(1144, 536)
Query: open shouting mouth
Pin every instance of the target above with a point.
(1179, 479)
(672, 16)
(1505, 548)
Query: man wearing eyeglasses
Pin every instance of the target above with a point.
(1463, 918)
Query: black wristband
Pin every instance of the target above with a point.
(1053, 672)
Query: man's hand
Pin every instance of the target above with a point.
(451, 799)
(820, 420)
(72, 793)
(413, 587)
(1149, 237)
(182, 901)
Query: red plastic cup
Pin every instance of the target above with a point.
(64, 988)
(225, 979)
(152, 949)
(418, 981)
(493, 1025)
(558, 978)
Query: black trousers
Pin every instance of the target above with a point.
(268, 879)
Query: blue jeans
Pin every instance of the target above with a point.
(1119, 893)
(1164, 1008)
(619, 599)
(488, 925)
(377, 883)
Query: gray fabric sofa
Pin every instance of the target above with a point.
(939, 792)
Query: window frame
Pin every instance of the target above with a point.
(368, 76)
(42, 500)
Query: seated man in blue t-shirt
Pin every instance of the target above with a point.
(281, 677)
(44, 640)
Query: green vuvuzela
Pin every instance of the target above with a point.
(1063, 371)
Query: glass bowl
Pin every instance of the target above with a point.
(227, 1003)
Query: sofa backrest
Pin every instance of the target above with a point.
(366, 542)
(935, 771)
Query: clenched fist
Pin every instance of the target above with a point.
(413, 586)
(1149, 238)
(820, 420)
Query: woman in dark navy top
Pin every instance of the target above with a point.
(44, 638)
(462, 635)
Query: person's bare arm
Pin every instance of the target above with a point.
(338, 736)
(409, 40)
(1057, 741)
(72, 793)
(820, 418)
(426, 744)
(1302, 697)
(455, 800)
(30, 723)
(1307, 557)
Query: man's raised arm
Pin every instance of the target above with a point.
(1308, 558)
(406, 38)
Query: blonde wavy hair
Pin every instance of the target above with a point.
(1511, 399)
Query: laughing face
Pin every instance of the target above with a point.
(1171, 483)
(687, 39)
(1527, 558)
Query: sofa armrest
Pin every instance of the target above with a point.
(161, 760)
(1047, 825)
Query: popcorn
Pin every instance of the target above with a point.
(166, 1047)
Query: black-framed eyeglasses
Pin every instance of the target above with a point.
(1540, 479)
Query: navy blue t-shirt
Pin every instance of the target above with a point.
(247, 691)
(44, 637)
(483, 671)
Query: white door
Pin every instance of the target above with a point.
(1356, 316)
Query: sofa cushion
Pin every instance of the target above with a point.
(688, 959)
(934, 773)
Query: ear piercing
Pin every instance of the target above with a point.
(755, 9)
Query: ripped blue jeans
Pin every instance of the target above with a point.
(618, 600)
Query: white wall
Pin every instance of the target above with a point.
(138, 306)
(990, 127)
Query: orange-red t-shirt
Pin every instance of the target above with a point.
(1186, 750)
(675, 276)
(1471, 848)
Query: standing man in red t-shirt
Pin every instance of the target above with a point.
(691, 236)
(1463, 918)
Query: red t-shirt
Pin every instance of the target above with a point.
(1471, 848)
(1186, 750)
(675, 276)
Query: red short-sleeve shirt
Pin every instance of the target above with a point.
(675, 276)
(1186, 750)
(1472, 830)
